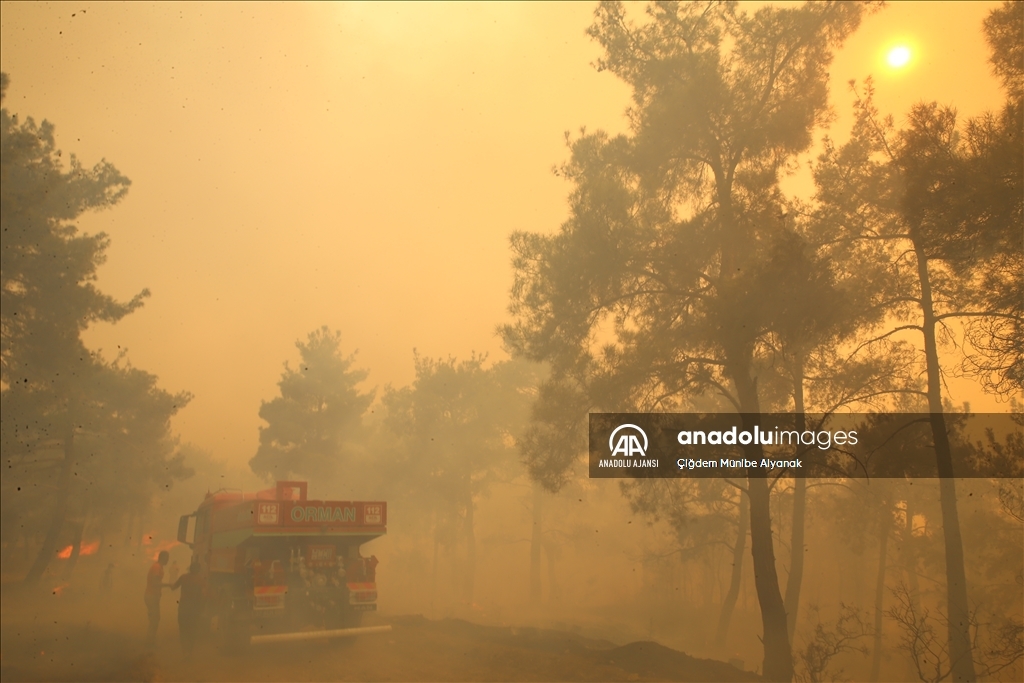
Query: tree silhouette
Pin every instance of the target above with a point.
(457, 426)
(73, 425)
(315, 424)
(666, 252)
(941, 204)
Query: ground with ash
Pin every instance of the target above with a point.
(60, 639)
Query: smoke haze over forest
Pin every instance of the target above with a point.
(359, 166)
(402, 251)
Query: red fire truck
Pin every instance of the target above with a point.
(280, 567)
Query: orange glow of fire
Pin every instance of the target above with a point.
(163, 545)
(86, 549)
(57, 590)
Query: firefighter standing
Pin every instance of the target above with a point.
(154, 587)
(190, 606)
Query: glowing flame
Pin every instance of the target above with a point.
(149, 539)
(161, 546)
(58, 590)
(85, 549)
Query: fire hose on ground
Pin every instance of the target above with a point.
(312, 635)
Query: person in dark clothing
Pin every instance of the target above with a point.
(190, 606)
(154, 586)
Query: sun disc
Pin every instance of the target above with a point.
(898, 56)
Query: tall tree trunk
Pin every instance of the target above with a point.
(433, 573)
(60, 510)
(778, 657)
(796, 561)
(909, 559)
(76, 549)
(796, 557)
(884, 526)
(738, 553)
(536, 538)
(470, 578)
(129, 525)
(960, 654)
(551, 554)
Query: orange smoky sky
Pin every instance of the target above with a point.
(354, 165)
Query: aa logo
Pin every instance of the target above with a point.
(628, 443)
